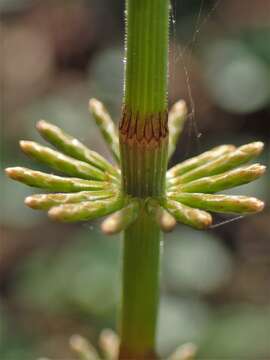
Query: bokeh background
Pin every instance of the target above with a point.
(57, 280)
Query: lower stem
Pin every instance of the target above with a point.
(140, 292)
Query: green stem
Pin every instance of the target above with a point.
(140, 289)
(146, 55)
(143, 135)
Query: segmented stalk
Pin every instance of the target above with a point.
(61, 162)
(224, 163)
(54, 183)
(227, 180)
(73, 147)
(143, 134)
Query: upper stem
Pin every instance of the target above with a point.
(146, 55)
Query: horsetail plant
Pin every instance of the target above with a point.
(138, 194)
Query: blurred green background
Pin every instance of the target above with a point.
(57, 280)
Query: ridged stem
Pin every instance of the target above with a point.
(146, 55)
(143, 135)
(140, 289)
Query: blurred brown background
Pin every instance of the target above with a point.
(57, 280)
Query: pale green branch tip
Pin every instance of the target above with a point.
(91, 187)
(109, 344)
(106, 126)
(83, 348)
(176, 121)
(185, 352)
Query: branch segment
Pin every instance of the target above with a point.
(161, 216)
(176, 122)
(199, 160)
(195, 218)
(46, 201)
(83, 348)
(106, 126)
(52, 182)
(223, 163)
(109, 344)
(86, 210)
(73, 147)
(190, 185)
(121, 219)
(185, 352)
(61, 162)
(221, 203)
(227, 180)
